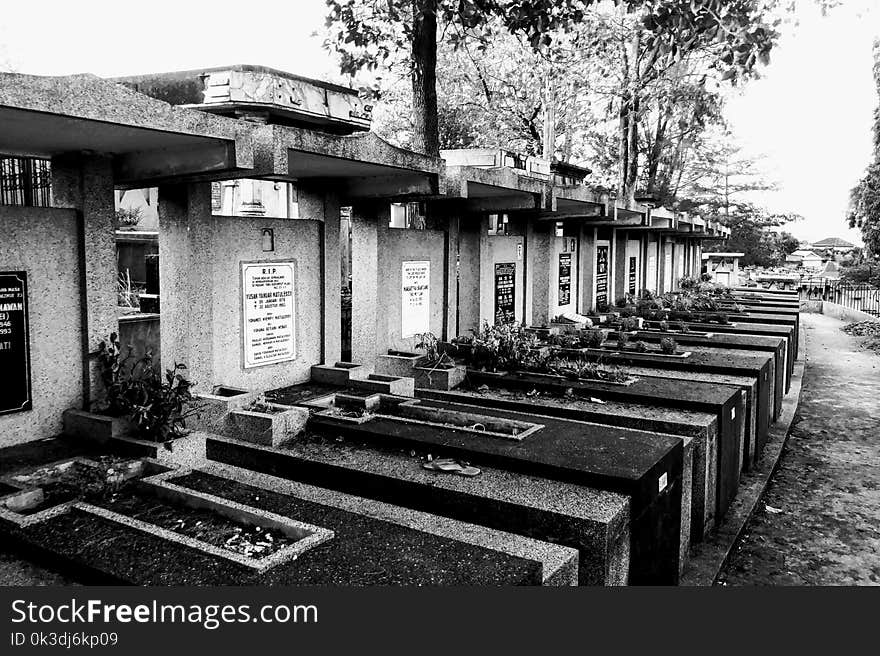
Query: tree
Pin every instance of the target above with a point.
(367, 33)
(864, 209)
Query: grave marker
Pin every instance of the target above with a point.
(15, 384)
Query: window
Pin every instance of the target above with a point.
(408, 215)
(25, 181)
(498, 224)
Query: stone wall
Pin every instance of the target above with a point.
(44, 243)
(238, 239)
(396, 246)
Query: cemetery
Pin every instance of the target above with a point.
(533, 384)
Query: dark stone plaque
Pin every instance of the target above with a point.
(15, 363)
(564, 278)
(505, 291)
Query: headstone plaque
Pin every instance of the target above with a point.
(632, 275)
(415, 308)
(269, 312)
(505, 291)
(564, 279)
(15, 364)
(601, 276)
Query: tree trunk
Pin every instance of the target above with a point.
(426, 131)
(549, 145)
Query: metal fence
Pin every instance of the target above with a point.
(24, 181)
(857, 296)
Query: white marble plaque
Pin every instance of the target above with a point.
(415, 309)
(269, 315)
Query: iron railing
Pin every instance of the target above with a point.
(857, 296)
(25, 181)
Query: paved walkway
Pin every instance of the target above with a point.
(819, 520)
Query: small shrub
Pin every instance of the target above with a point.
(641, 347)
(622, 340)
(668, 346)
(684, 328)
(664, 326)
(627, 311)
(722, 318)
(629, 323)
(595, 337)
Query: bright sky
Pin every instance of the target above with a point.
(811, 114)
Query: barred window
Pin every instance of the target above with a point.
(24, 181)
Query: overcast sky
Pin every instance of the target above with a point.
(811, 113)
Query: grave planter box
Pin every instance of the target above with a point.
(339, 374)
(93, 427)
(216, 406)
(183, 451)
(399, 386)
(398, 363)
(279, 425)
(444, 377)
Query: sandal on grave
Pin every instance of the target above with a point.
(443, 465)
(451, 466)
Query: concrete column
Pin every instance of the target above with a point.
(85, 184)
(320, 204)
(539, 266)
(364, 284)
(618, 265)
(186, 283)
(471, 240)
(450, 327)
(586, 250)
(332, 319)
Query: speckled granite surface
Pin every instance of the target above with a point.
(560, 563)
(702, 426)
(593, 521)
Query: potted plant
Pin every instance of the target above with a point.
(139, 400)
(437, 370)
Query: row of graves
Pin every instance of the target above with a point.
(540, 391)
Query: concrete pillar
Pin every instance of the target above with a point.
(586, 266)
(320, 204)
(450, 327)
(471, 247)
(364, 283)
(186, 281)
(539, 272)
(332, 319)
(85, 184)
(618, 265)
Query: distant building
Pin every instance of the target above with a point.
(835, 244)
(723, 267)
(803, 259)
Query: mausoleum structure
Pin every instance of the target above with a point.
(248, 301)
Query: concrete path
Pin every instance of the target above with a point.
(818, 522)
